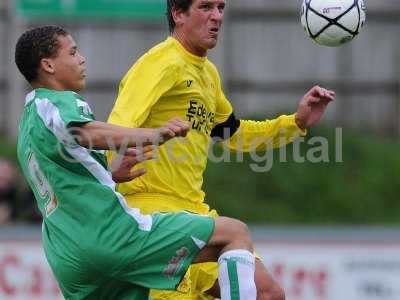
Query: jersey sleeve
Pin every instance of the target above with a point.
(267, 134)
(73, 109)
(141, 88)
(224, 108)
(64, 110)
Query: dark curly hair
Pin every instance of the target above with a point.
(183, 5)
(34, 45)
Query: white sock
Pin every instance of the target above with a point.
(236, 275)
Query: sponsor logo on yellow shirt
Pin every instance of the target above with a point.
(201, 119)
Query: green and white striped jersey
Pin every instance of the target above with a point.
(73, 188)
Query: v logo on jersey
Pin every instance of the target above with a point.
(189, 83)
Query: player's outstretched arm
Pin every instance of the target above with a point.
(102, 136)
(260, 135)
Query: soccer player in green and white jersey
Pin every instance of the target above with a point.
(98, 247)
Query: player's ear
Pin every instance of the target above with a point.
(47, 65)
(178, 15)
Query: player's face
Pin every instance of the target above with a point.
(202, 23)
(69, 65)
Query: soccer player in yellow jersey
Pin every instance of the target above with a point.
(175, 79)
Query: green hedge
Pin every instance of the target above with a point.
(363, 189)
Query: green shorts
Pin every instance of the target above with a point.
(155, 259)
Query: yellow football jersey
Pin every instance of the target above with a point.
(169, 82)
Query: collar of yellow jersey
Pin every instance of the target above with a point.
(194, 59)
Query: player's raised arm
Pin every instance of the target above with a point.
(103, 136)
(250, 135)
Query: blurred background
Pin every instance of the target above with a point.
(327, 227)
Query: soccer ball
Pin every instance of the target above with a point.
(332, 22)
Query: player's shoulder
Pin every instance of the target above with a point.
(61, 99)
(49, 95)
(54, 95)
(212, 68)
(164, 55)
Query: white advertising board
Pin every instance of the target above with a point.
(25, 274)
(335, 271)
(308, 271)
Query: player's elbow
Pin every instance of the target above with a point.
(87, 136)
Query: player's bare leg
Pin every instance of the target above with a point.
(267, 287)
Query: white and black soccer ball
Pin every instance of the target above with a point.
(333, 22)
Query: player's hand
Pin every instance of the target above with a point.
(312, 106)
(121, 166)
(173, 128)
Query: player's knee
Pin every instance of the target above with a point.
(240, 231)
(243, 230)
(232, 232)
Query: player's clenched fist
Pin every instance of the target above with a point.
(312, 106)
(173, 128)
